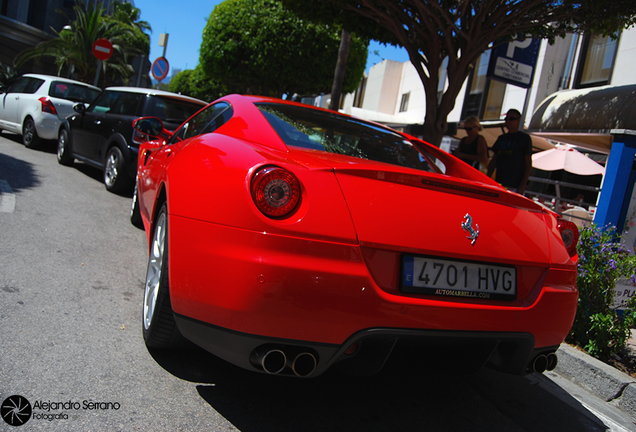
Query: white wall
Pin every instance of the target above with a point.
(625, 66)
(551, 65)
(383, 86)
(412, 83)
(389, 80)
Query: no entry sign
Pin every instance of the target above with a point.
(102, 49)
(160, 68)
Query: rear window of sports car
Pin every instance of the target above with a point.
(334, 133)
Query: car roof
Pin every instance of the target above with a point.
(155, 92)
(56, 78)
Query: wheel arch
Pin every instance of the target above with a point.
(162, 198)
(27, 116)
(117, 140)
(65, 126)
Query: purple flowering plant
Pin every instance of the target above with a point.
(602, 260)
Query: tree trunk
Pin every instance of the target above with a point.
(338, 78)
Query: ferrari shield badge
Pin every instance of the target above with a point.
(467, 225)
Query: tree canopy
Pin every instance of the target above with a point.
(461, 30)
(72, 48)
(194, 82)
(257, 46)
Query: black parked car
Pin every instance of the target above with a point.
(102, 134)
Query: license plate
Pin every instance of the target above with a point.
(429, 275)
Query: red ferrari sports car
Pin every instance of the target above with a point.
(287, 239)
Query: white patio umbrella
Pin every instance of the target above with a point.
(565, 157)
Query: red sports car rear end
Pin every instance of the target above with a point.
(299, 238)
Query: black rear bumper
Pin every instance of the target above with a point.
(366, 351)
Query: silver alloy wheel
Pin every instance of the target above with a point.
(111, 171)
(61, 145)
(28, 132)
(155, 265)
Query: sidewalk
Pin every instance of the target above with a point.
(598, 378)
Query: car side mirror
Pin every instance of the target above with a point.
(79, 108)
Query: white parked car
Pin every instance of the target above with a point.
(35, 105)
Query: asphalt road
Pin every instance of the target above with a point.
(72, 269)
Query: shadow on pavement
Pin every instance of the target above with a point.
(46, 146)
(21, 173)
(403, 397)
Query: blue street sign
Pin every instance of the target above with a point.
(514, 62)
(160, 68)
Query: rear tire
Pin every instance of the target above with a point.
(30, 137)
(115, 177)
(159, 327)
(64, 156)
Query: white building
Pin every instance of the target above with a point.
(393, 94)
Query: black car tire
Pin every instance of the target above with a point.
(30, 137)
(115, 177)
(64, 156)
(158, 324)
(135, 214)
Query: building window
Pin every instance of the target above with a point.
(404, 104)
(494, 101)
(597, 61)
(358, 97)
(477, 81)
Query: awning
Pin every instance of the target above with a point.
(586, 117)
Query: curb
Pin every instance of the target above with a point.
(598, 378)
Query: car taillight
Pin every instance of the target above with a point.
(275, 191)
(47, 105)
(570, 235)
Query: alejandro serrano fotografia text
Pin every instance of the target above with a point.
(70, 405)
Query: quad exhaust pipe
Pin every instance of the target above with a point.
(544, 362)
(275, 360)
(272, 361)
(304, 364)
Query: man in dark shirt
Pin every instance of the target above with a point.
(512, 155)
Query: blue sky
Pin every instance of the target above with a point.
(184, 22)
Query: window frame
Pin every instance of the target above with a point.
(583, 57)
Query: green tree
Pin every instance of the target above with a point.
(72, 48)
(136, 43)
(8, 75)
(461, 30)
(195, 83)
(128, 14)
(257, 46)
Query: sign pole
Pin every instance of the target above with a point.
(163, 42)
(99, 67)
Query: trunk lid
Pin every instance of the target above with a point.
(431, 214)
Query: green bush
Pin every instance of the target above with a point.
(603, 260)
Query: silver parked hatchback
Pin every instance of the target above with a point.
(35, 105)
